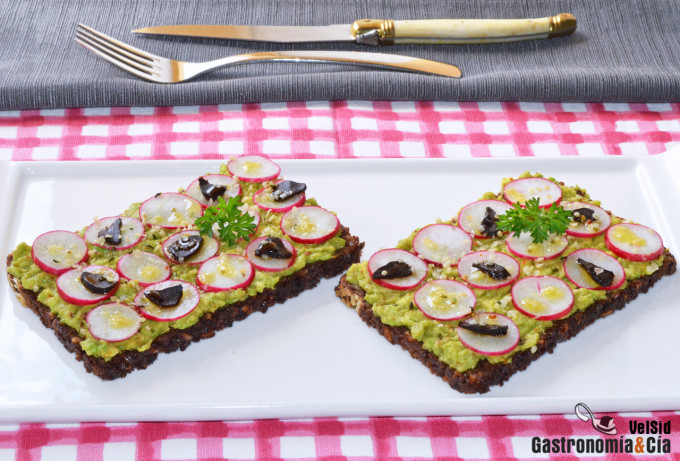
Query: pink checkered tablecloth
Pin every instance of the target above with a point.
(341, 129)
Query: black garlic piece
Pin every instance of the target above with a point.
(211, 191)
(484, 329)
(96, 283)
(185, 247)
(489, 223)
(287, 189)
(600, 275)
(273, 247)
(167, 297)
(393, 270)
(493, 270)
(111, 234)
(583, 214)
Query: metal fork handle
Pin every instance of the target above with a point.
(380, 60)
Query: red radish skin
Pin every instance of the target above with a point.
(523, 189)
(533, 286)
(581, 230)
(157, 261)
(211, 266)
(188, 302)
(270, 265)
(98, 324)
(489, 345)
(653, 242)
(40, 251)
(382, 257)
(157, 210)
(132, 232)
(521, 247)
(470, 219)
(233, 187)
(465, 268)
(329, 223)
(451, 286)
(209, 248)
(454, 240)
(71, 289)
(598, 257)
(261, 200)
(238, 168)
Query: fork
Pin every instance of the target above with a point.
(164, 70)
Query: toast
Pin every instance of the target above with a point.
(271, 280)
(396, 314)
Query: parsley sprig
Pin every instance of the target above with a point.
(232, 223)
(538, 222)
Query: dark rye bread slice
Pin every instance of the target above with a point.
(486, 374)
(173, 340)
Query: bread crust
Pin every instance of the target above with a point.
(485, 374)
(127, 361)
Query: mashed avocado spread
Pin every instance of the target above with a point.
(395, 308)
(44, 284)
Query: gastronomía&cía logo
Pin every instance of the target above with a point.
(646, 437)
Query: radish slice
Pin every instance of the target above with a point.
(383, 257)
(265, 200)
(543, 297)
(266, 263)
(521, 190)
(225, 272)
(71, 289)
(524, 246)
(146, 268)
(471, 217)
(113, 322)
(253, 168)
(487, 344)
(441, 244)
(478, 278)
(309, 224)
(634, 242)
(581, 226)
(233, 188)
(580, 277)
(131, 233)
(170, 210)
(56, 252)
(187, 303)
(207, 250)
(445, 300)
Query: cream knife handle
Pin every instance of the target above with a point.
(461, 31)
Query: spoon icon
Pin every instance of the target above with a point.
(604, 424)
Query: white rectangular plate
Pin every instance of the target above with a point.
(312, 356)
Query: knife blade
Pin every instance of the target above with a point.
(377, 32)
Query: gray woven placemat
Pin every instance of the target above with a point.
(623, 50)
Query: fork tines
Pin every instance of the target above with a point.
(127, 57)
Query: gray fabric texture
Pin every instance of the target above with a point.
(623, 50)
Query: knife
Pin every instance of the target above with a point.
(376, 32)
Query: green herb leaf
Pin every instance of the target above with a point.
(232, 223)
(538, 222)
